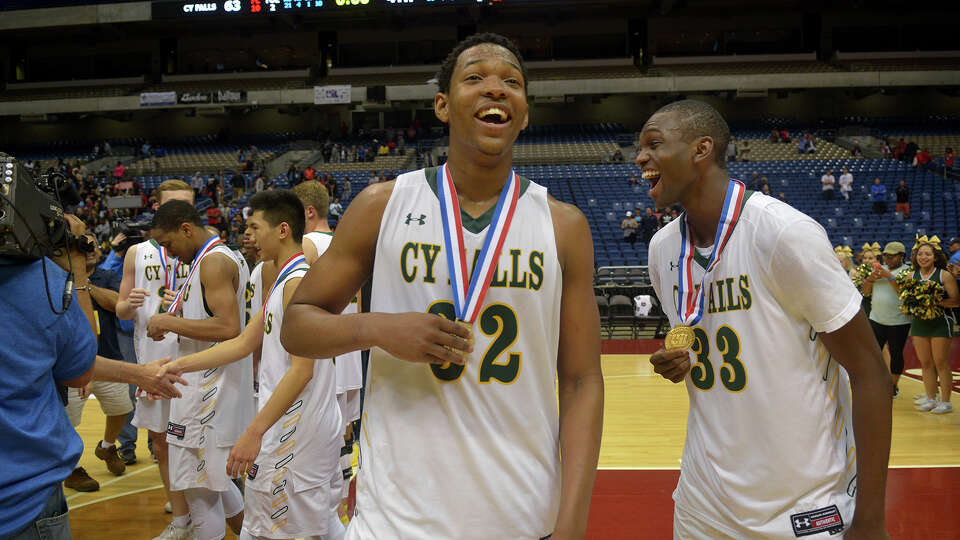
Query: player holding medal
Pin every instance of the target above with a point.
(777, 444)
(458, 440)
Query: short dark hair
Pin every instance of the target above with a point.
(172, 214)
(699, 119)
(279, 206)
(450, 62)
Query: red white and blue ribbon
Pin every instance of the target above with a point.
(169, 278)
(467, 299)
(287, 269)
(691, 297)
(207, 246)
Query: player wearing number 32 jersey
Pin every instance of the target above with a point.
(770, 449)
(461, 435)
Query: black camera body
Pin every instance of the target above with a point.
(133, 230)
(31, 210)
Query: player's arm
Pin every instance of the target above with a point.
(247, 447)
(578, 372)
(129, 298)
(313, 326)
(309, 250)
(142, 375)
(220, 294)
(223, 353)
(802, 260)
(855, 348)
(950, 284)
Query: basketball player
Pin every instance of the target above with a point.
(218, 404)
(151, 276)
(770, 443)
(288, 489)
(462, 438)
(316, 199)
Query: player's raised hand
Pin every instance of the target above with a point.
(672, 365)
(137, 296)
(424, 337)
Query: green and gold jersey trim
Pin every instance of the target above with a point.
(474, 225)
(697, 257)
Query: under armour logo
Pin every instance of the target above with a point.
(801, 522)
(674, 266)
(149, 256)
(422, 220)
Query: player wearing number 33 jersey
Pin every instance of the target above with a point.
(780, 352)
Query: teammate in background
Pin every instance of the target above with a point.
(150, 279)
(218, 404)
(315, 199)
(288, 450)
(486, 411)
(779, 321)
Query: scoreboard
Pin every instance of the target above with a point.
(180, 9)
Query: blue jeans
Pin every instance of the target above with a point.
(52, 523)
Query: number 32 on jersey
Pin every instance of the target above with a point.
(497, 321)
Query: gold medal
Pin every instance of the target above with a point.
(161, 291)
(464, 324)
(679, 337)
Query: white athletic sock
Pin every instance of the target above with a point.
(103, 444)
(232, 500)
(181, 521)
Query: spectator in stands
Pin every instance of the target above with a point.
(754, 182)
(239, 185)
(119, 171)
(732, 150)
(649, 224)
(903, 198)
(921, 158)
(617, 156)
(774, 136)
(900, 149)
(784, 136)
(953, 246)
(259, 185)
(856, 151)
(743, 153)
(885, 150)
(309, 173)
(878, 194)
(846, 183)
(764, 184)
(765, 189)
(948, 157)
(336, 209)
(241, 156)
(910, 152)
(213, 216)
(827, 182)
(629, 227)
(107, 149)
(783, 197)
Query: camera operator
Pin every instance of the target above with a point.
(39, 446)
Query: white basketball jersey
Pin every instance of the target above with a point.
(769, 450)
(150, 274)
(492, 425)
(302, 447)
(253, 294)
(219, 398)
(349, 367)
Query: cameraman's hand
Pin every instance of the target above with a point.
(137, 297)
(117, 241)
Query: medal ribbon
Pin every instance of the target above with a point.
(211, 243)
(689, 296)
(287, 268)
(169, 281)
(467, 299)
